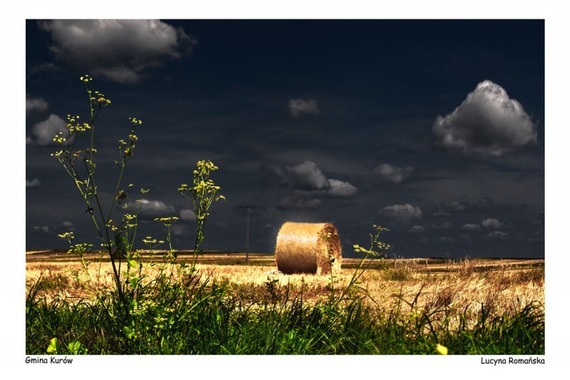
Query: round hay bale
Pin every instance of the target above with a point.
(308, 248)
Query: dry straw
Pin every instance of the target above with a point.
(308, 248)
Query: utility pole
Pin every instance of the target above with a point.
(249, 210)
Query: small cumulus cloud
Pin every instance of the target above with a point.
(391, 173)
(307, 175)
(44, 131)
(471, 227)
(35, 104)
(341, 189)
(120, 50)
(297, 107)
(187, 215)
(153, 209)
(496, 235)
(402, 212)
(68, 226)
(491, 223)
(488, 122)
(33, 183)
(43, 229)
(307, 186)
(64, 226)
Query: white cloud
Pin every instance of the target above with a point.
(68, 225)
(118, 49)
(471, 227)
(44, 131)
(491, 223)
(307, 175)
(392, 173)
(33, 183)
(496, 235)
(402, 212)
(301, 106)
(187, 215)
(44, 229)
(153, 209)
(307, 185)
(488, 123)
(341, 189)
(35, 104)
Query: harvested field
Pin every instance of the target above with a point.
(395, 306)
(413, 283)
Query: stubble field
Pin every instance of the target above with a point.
(431, 298)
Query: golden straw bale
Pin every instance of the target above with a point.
(308, 248)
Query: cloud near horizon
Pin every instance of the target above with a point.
(391, 173)
(488, 123)
(297, 107)
(33, 183)
(305, 184)
(471, 227)
(491, 223)
(306, 176)
(402, 212)
(149, 209)
(496, 235)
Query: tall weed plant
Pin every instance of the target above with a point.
(78, 154)
(117, 227)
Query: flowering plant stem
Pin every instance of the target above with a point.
(80, 165)
(202, 193)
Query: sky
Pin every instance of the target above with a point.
(434, 129)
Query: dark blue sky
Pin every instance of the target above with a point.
(434, 129)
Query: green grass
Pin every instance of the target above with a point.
(204, 317)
